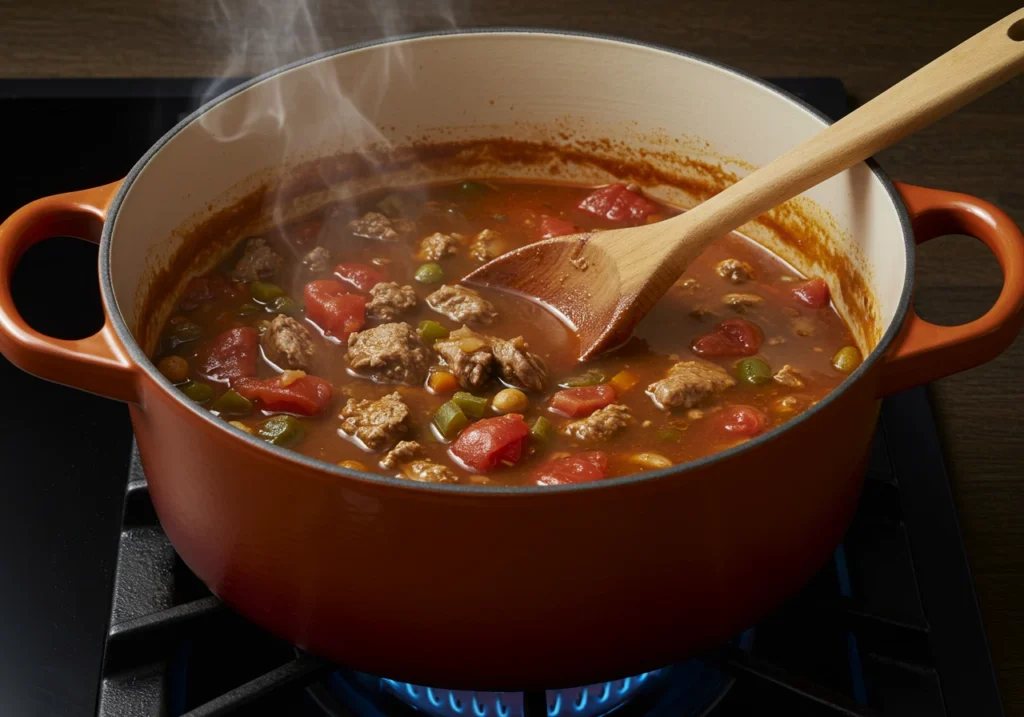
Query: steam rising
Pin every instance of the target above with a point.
(260, 35)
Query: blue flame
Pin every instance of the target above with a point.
(590, 701)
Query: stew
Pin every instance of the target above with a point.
(348, 338)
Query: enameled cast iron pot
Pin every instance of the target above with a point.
(466, 586)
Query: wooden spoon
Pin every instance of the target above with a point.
(603, 283)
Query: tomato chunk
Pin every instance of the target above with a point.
(580, 468)
(734, 337)
(360, 276)
(556, 227)
(233, 354)
(306, 396)
(583, 400)
(492, 442)
(813, 293)
(744, 421)
(618, 203)
(333, 309)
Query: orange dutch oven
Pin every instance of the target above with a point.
(473, 586)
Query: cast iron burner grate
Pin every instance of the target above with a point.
(890, 626)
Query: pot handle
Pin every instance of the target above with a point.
(925, 351)
(99, 363)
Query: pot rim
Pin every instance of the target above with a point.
(478, 491)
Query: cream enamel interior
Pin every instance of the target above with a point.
(532, 86)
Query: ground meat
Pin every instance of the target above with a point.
(734, 270)
(487, 245)
(519, 367)
(404, 452)
(378, 424)
(374, 225)
(318, 260)
(462, 304)
(258, 261)
(741, 302)
(600, 425)
(688, 383)
(429, 472)
(390, 352)
(438, 246)
(789, 376)
(287, 344)
(388, 300)
(472, 368)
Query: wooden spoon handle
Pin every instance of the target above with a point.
(966, 72)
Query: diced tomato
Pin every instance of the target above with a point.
(813, 293)
(360, 276)
(333, 309)
(580, 468)
(306, 396)
(492, 442)
(233, 354)
(743, 421)
(618, 203)
(582, 401)
(204, 288)
(556, 227)
(735, 337)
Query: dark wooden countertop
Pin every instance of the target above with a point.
(868, 44)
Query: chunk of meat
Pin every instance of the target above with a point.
(388, 300)
(462, 304)
(519, 367)
(306, 395)
(690, 383)
(374, 225)
(618, 203)
(492, 442)
(391, 353)
(404, 452)
(471, 361)
(488, 244)
(258, 261)
(734, 270)
(425, 471)
(600, 425)
(233, 354)
(741, 302)
(581, 468)
(319, 259)
(377, 424)
(287, 343)
(789, 376)
(437, 246)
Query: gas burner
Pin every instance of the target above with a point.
(688, 689)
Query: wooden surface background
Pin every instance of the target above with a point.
(868, 44)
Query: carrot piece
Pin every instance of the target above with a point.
(623, 381)
(442, 382)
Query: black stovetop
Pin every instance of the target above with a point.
(98, 614)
